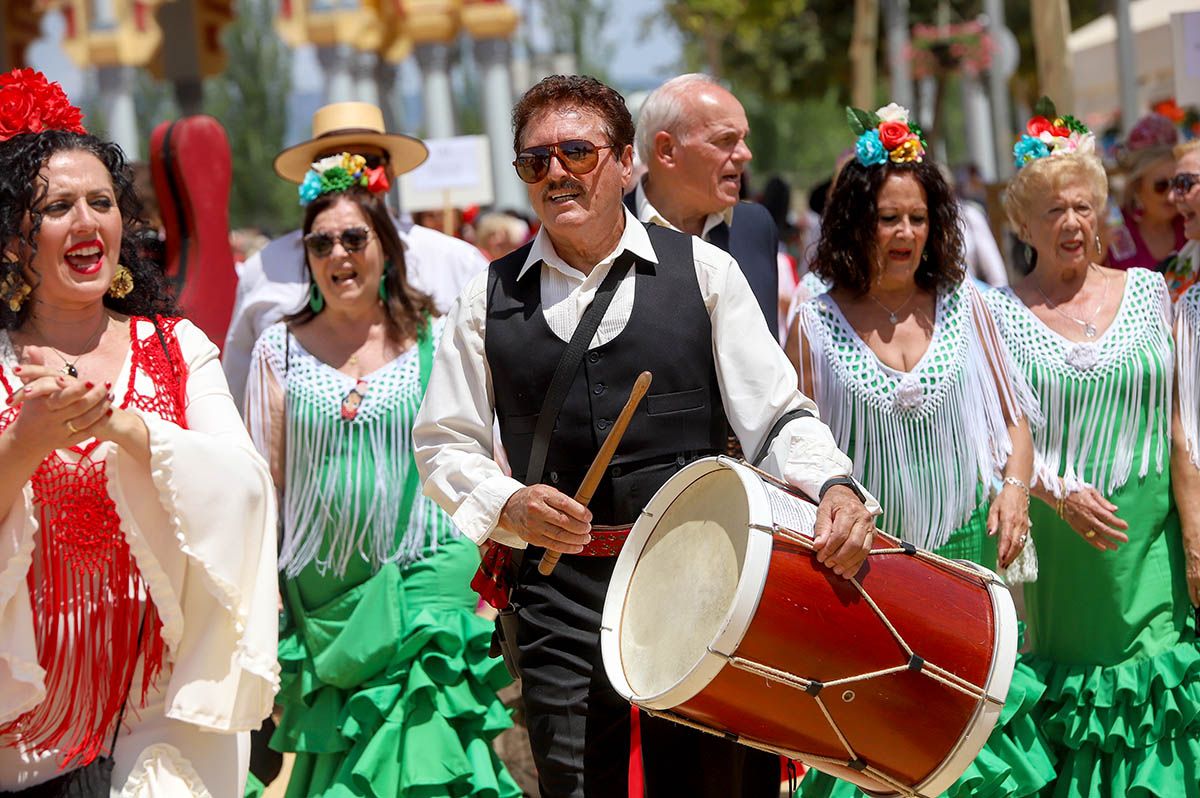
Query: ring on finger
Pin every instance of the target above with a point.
(1091, 533)
(71, 427)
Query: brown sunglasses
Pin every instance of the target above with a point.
(576, 156)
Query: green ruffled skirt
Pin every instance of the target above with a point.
(1016, 760)
(1115, 646)
(387, 687)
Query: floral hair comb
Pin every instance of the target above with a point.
(1047, 133)
(29, 103)
(886, 135)
(340, 172)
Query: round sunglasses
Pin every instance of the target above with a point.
(1182, 183)
(352, 239)
(576, 156)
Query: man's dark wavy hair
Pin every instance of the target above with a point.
(575, 91)
(22, 193)
(846, 250)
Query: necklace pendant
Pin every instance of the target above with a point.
(892, 318)
(70, 370)
(1089, 330)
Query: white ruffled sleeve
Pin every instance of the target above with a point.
(22, 680)
(207, 548)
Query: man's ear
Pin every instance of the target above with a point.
(664, 148)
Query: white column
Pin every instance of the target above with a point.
(896, 20)
(977, 116)
(434, 60)
(1126, 66)
(366, 77)
(338, 64)
(116, 93)
(492, 56)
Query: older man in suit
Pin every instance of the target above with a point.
(691, 135)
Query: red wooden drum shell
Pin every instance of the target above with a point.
(719, 615)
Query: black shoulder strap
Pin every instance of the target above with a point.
(776, 428)
(568, 365)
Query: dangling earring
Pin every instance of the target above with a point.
(122, 282)
(14, 290)
(1028, 254)
(316, 302)
(383, 289)
(1099, 250)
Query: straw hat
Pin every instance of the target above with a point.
(348, 126)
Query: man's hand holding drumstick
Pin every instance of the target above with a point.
(549, 518)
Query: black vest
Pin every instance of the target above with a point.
(668, 334)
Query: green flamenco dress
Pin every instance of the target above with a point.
(1113, 636)
(925, 442)
(387, 688)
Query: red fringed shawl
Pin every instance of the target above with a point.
(85, 588)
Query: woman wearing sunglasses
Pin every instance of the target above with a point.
(1182, 269)
(1150, 228)
(387, 686)
(1113, 632)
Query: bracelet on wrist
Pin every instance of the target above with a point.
(845, 481)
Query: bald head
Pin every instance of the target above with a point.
(691, 134)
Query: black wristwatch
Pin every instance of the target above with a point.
(847, 481)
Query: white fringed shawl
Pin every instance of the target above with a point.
(1187, 368)
(1093, 392)
(922, 441)
(350, 487)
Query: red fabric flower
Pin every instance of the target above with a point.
(29, 103)
(377, 180)
(892, 134)
(1039, 125)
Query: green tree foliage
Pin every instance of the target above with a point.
(575, 27)
(250, 100)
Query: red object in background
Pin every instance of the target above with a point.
(192, 170)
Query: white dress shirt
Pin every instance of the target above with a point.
(273, 282)
(453, 432)
(648, 213)
(980, 253)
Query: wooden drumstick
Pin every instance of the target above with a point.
(595, 472)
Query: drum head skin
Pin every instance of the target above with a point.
(687, 580)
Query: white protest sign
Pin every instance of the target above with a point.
(457, 174)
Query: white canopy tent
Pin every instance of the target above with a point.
(1093, 49)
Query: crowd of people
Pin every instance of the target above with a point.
(303, 523)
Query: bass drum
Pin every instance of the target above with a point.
(719, 617)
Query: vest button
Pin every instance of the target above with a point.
(616, 471)
(680, 460)
(598, 389)
(554, 477)
(593, 357)
(603, 423)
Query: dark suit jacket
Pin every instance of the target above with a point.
(754, 243)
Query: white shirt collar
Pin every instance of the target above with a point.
(648, 213)
(635, 239)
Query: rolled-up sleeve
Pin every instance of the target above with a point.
(453, 434)
(758, 384)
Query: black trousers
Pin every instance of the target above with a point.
(579, 726)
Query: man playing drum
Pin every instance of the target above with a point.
(660, 301)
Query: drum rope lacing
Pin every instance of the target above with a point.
(814, 687)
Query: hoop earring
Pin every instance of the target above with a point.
(14, 290)
(1099, 250)
(316, 302)
(122, 282)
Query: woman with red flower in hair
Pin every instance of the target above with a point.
(137, 551)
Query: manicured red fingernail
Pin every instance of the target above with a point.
(108, 412)
(108, 385)
(16, 369)
(8, 401)
(89, 385)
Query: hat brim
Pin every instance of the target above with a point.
(405, 153)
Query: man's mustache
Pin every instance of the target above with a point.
(566, 184)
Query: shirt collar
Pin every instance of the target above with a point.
(635, 239)
(648, 213)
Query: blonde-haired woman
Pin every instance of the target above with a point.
(1113, 635)
(1183, 268)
